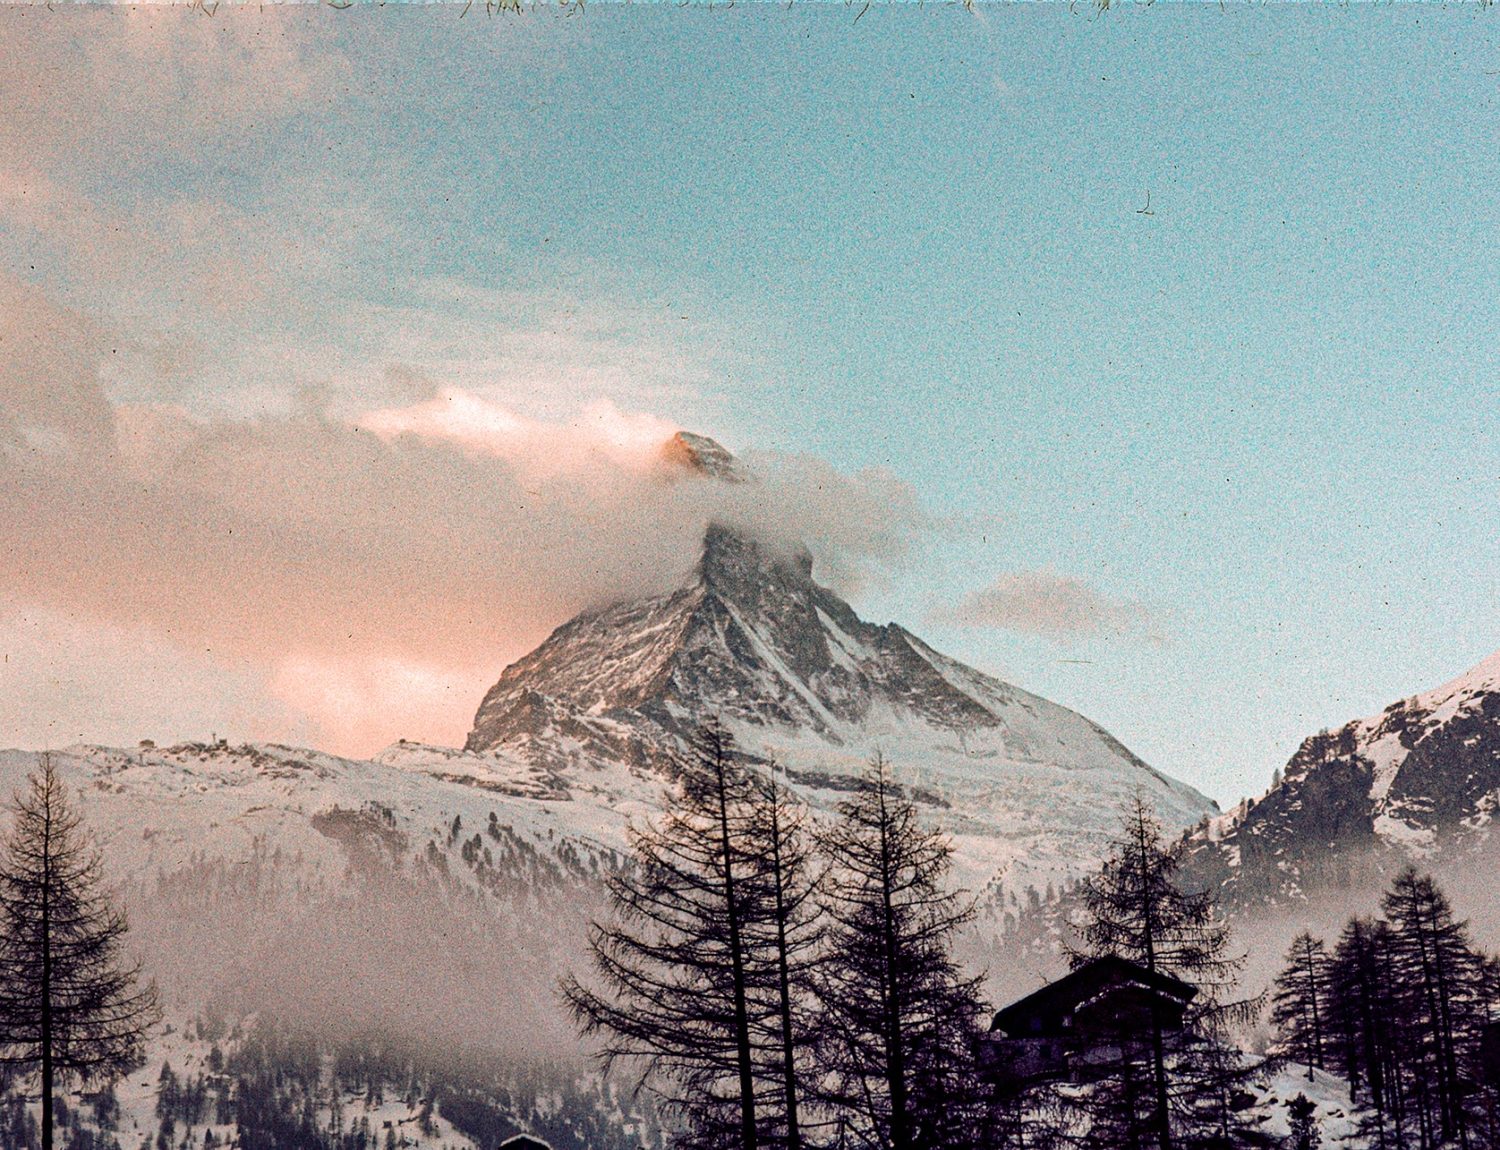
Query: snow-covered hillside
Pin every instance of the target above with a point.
(1419, 782)
(438, 893)
(599, 712)
(432, 893)
(370, 906)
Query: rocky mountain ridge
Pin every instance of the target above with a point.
(607, 705)
(1419, 782)
(438, 893)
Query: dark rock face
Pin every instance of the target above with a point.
(1451, 772)
(1418, 781)
(753, 637)
(604, 710)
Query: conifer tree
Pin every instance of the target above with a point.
(676, 994)
(1299, 1001)
(1409, 1000)
(1361, 1023)
(784, 931)
(1302, 1118)
(1134, 908)
(70, 1005)
(901, 1016)
(1439, 982)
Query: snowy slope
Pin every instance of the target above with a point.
(353, 896)
(157, 809)
(442, 891)
(1419, 782)
(602, 709)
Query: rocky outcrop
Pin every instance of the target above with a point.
(1419, 781)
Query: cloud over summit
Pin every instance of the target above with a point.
(369, 574)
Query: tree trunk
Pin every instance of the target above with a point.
(737, 965)
(1312, 993)
(895, 1048)
(788, 1047)
(1163, 1121)
(48, 1069)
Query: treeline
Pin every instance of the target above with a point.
(275, 1086)
(781, 984)
(285, 1087)
(778, 984)
(1404, 1008)
(89, 1126)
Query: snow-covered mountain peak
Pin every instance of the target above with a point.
(1440, 702)
(1412, 782)
(608, 703)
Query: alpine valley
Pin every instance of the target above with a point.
(276, 891)
(288, 900)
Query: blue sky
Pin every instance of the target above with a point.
(1241, 450)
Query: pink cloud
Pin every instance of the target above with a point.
(70, 679)
(599, 434)
(363, 577)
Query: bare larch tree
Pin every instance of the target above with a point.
(71, 1006)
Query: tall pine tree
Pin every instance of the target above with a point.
(1409, 1001)
(1299, 1001)
(1439, 981)
(674, 967)
(70, 1005)
(900, 1015)
(785, 934)
(705, 972)
(1363, 1024)
(1166, 1091)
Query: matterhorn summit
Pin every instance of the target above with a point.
(702, 456)
(608, 703)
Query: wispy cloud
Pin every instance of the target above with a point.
(265, 408)
(71, 678)
(580, 331)
(1054, 606)
(376, 569)
(598, 434)
(75, 86)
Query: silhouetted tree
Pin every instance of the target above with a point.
(1362, 1022)
(1135, 909)
(1299, 1001)
(674, 964)
(1301, 1117)
(901, 1016)
(1408, 1003)
(1439, 983)
(70, 1006)
(784, 931)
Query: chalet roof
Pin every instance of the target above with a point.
(1085, 983)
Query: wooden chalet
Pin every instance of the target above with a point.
(1086, 1018)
